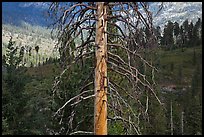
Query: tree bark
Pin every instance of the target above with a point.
(172, 126)
(100, 106)
(182, 122)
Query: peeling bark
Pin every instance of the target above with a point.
(100, 107)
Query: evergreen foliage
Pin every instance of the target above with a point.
(183, 35)
(29, 103)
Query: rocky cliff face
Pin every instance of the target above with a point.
(177, 11)
(35, 12)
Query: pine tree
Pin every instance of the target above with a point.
(182, 38)
(176, 31)
(36, 49)
(168, 35)
(13, 99)
(185, 32)
(158, 34)
(190, 39)
(201, 38)
(195, 33)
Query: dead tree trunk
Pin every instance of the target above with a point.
(182, 122)
(100, 106)
(172, 126)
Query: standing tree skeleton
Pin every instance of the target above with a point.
(75, 19)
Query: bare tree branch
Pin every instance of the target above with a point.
(79, 20)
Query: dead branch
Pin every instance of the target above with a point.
(81, 132)
(81, 17)
(73, 98)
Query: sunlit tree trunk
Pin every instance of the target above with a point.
(100, 106)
